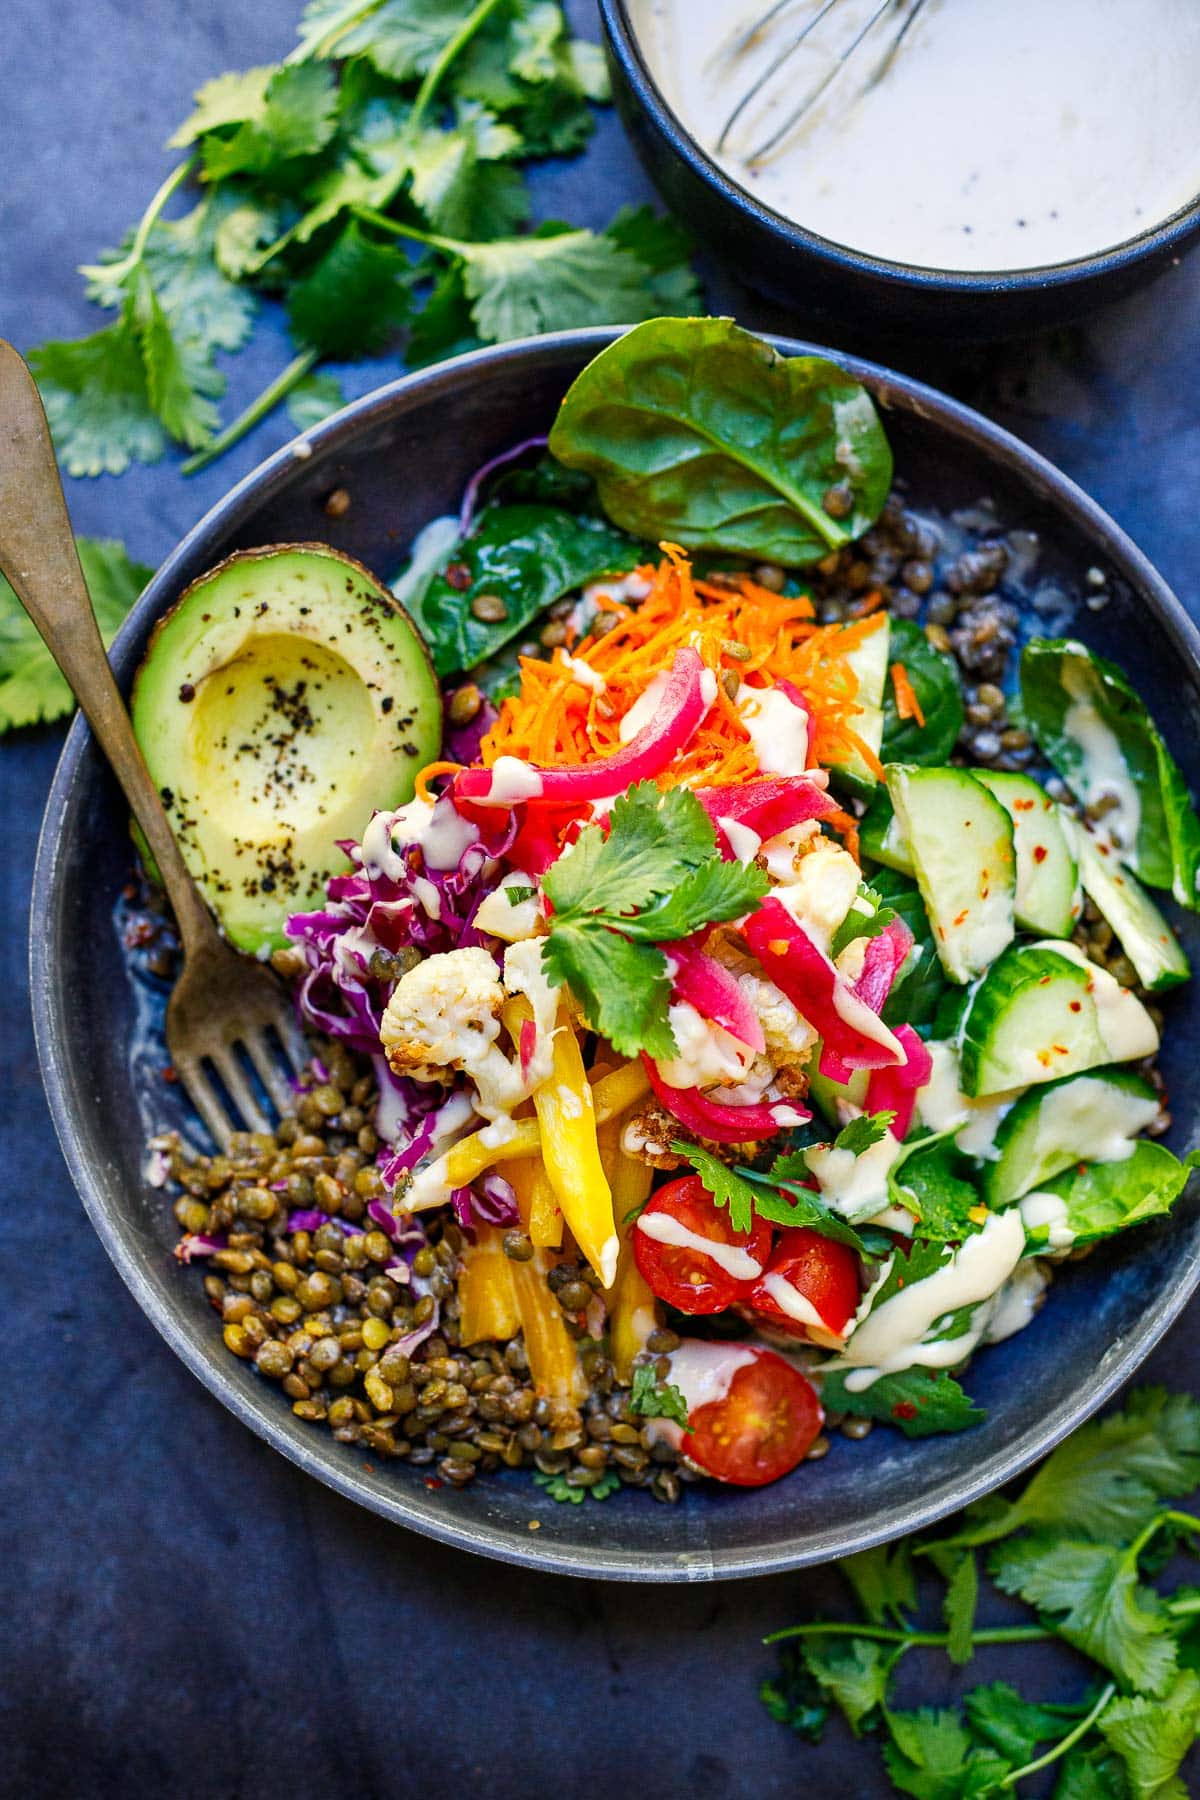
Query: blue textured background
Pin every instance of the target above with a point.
(185, 1614)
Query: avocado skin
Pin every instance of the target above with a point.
(284, 698)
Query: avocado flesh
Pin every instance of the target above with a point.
(283, 700)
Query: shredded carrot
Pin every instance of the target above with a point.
(869, 604)
(907, 704)
(739, 629)
(429, 773)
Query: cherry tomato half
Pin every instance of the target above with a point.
(676, 1264)
(821, 1273)
(764, 1425)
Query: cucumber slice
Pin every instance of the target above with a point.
(1084, 1118)
(881, 835)
(1043, 1011)
(961, 840)
(830, 1096)
(869, 660)
(1047, 878)
(1146, 938)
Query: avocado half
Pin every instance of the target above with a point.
(283, 699)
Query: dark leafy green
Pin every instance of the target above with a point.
(698, 432)
(921, 984)
(921, 1402)
(936, 1184)
(528, 556)
(1057, 673)
(1105, 1197)
(935, 682)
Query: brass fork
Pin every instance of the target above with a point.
(221, 1000)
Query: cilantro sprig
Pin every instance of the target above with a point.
(372, 180)
(653, 877)
(1078, 1545)
(651, 1398)
(748, 1193)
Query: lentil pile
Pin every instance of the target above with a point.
(365, 1340)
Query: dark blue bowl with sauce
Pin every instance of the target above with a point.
(820, 278)
(404, 454)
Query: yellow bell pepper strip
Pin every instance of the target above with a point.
(553, 1358)
(545, 1225)
(486, 1294)
(472, 1156)
(566, 1114)
(632, 1308)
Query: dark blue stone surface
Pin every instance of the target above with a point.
(185, 1614)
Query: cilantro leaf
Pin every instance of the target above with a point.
(401, 38)
(653, 1399)
(867, 918)
(1097, 1603)
(663, 248)
(624, 988)
(859, 1134)
(180, 258)
(1092, 1775)
(97, 401)
(458, 181)
(794, 1698)
(725, 1188)
(31, 689)
(746, 1193)
(294, 115)
(931, 1756)
(654, 838)
(180, 379)
(351, 300)
(958, 1608)
(226, 100)
(883, 1581)
(556, 280)
(443, 326)
(1013, 1726)
(1153, 1737)
(317, 397)
(560, 1489)
(920, 1402)
(1107, 1479)
(517, 896)
(853, 1672)
(710, 895)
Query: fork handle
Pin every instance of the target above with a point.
(38, 555)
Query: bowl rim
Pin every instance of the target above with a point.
(625, 45)
(408, 1503)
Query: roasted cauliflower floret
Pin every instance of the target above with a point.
(443, 1016)
(789, 1037)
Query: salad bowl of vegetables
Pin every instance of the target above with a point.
(739, 883)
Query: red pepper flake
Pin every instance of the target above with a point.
(1076, 1006)
(170, 1073)
(961, 917)
(904, 1409)
(431, 1481)
(458, 576)
(1024, 805)
(1040, 853)
(1060, 1049)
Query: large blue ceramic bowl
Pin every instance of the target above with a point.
(403, 454)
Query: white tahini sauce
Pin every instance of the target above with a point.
(1125, 1027)
(512, 780)
(736, 1262)
(1049, 1210)
(703, 1373)
(1001, 136)
(855, 1186)
(892, 1337)
(778, 730)
(643, 709)
(941, 1106)
(742, 841)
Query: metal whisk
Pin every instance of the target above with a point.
(906, 11)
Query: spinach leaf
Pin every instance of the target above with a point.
(920, 1402)
(700, 433)
(934, 679)
(1102, 1198)
(918, 989)
(528, 557)
(1059, 675)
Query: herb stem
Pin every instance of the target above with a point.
(370, 216)
(445, 57)
(924, 1640)
(1064, 1744)
(258, 409)
(119, 270)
